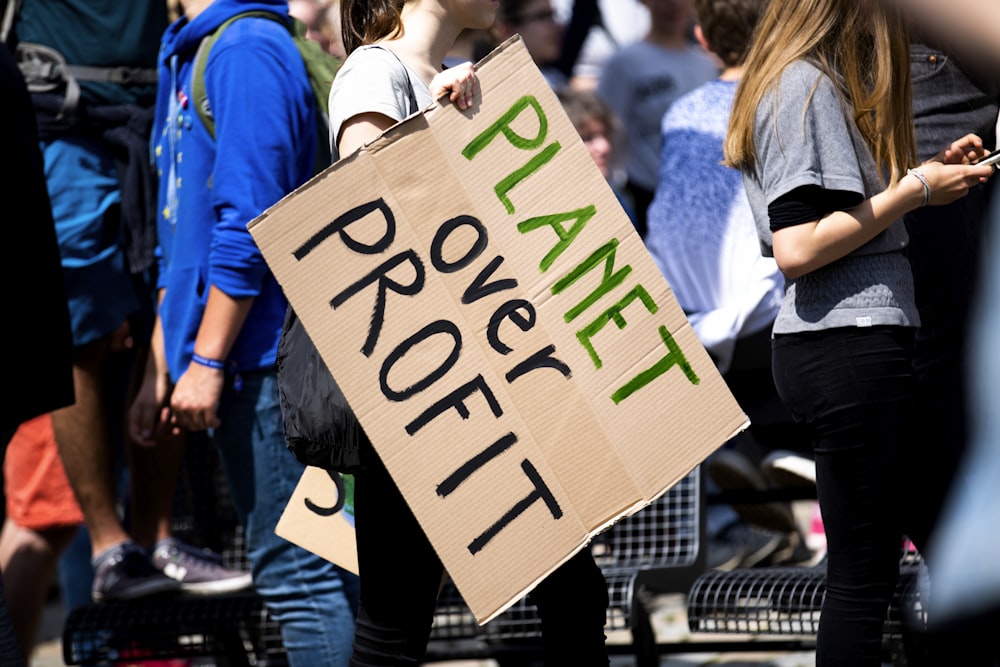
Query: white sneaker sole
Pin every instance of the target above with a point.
(218, 586)
(789, 470)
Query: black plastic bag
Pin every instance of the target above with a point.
(321, 430)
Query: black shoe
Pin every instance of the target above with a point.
(125, 572)
(752, 545)
(793, 550)
(732, 471)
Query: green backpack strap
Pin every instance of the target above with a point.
(320, 66)
(199, 95)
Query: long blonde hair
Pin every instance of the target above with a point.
(861, 46)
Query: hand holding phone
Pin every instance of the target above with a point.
(992, 159)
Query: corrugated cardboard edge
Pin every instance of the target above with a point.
(389, 137)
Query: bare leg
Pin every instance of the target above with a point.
(85, 437)
(28, 560)
(154, 473)
(9, 652)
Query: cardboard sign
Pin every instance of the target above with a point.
(320, 517)
(496, 323)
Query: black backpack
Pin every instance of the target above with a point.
(321, 430)
(320, 427)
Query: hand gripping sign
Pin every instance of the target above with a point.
(497, 325)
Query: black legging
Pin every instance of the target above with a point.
(854, 388)
(401, 576)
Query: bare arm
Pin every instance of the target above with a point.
(800, 249)
(361, 129)
(459, 81)
(195, 399)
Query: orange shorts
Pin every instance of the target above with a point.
(38, 494)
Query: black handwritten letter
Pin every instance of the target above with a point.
(518, 311)
(341, 497)
(340, 224)
(479, 287)
(542, 359)
(381, 276)
(455, 399)
(437, 327)
(442, 234)
(475, 463)
(541, 492)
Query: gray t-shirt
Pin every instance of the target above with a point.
(805, 135)
(373, 80)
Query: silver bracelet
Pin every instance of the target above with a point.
(923, 180)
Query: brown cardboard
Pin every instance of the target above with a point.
(320, 518)
(578, 390)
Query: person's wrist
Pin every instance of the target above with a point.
(925, 186)
(208, 362)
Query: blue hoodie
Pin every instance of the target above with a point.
(209, 190)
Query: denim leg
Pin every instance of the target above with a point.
(314, 601)
(946, 251)
(10, 653)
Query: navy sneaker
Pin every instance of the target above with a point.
(198, 571)
(124, 572)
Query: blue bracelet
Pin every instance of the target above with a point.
(211, 363)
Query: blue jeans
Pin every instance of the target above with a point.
(313, 600)
(853, 389)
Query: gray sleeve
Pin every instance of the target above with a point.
(803, 137)
(371, 80)
(612, 84)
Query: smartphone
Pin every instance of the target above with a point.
(992, 159)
